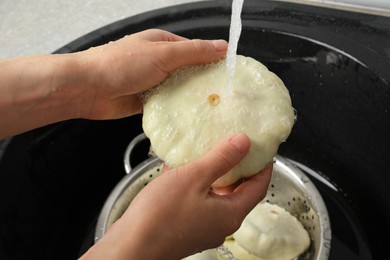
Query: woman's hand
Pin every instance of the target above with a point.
(178, 214)
(136, 63)
(99, 83)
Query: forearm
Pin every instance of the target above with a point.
(39, 90)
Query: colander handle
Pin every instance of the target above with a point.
(129, 151)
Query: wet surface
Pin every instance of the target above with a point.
(54, 180)
(349, 240)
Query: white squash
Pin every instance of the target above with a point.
(192, 110)
(269, 232)
(272, 233)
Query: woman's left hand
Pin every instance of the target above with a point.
(138, 62)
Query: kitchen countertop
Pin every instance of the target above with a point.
(42, 26)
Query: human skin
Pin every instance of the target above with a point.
(103, 83)
(153, 227)
(99, 83)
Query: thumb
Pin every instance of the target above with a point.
(221, 159)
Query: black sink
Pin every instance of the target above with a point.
(54, 180)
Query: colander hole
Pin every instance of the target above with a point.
(293, 198)
(146, 183)
(304, 201)
(272, 194)
(272, 186)
(151, 176)
(289, 203)
(158, 169)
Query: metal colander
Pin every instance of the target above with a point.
(289, 188)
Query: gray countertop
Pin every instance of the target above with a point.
(42, 26)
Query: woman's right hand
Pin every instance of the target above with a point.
(178, 214)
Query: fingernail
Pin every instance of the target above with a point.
(240, 141)
(219, 45)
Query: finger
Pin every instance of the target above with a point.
(224, 190)
(191, 52)
(165, 168)
(219, 160)
(252, 190)
(156, 35)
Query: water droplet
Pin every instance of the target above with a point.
(295, 115)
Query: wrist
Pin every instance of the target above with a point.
(72, 85)
(72, 90)
(39, 90)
